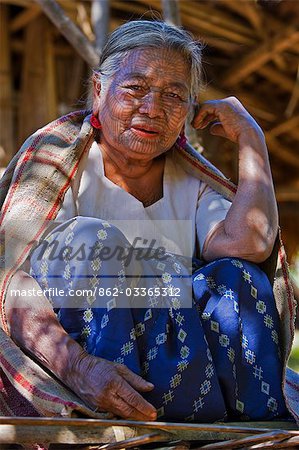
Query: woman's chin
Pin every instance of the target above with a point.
(144, 147)
(142, 150)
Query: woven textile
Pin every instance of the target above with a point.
(203, 355)
(32, 190)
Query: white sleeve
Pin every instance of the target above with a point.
(211, 209)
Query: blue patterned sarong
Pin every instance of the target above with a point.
(217, 360)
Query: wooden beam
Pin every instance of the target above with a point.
(84, 22)
(217, 17)
(7, 144)
(76, 431)
(254, 104)
(274, 24)
(61, 49)
(171, 12)
(38, 89)
(287, 194)
(135, 7)
(24, 17)
(285, 82)
(205, 26)
(249, 10)
(281, 63)
(59, 434)
(24, 3)
(285, 127)
(294, 132)
(100, 13)
(133, 442)
(286, 209)
(204, 19)
(268, 23)
(294, 97)
(70, 31)
(249, 442)
(256, 58)
(281, 151)
(205, 12)
(222, 24)
(228, 48)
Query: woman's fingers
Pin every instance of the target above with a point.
(204, 114)
(206, 120)
(133, 379)
(113, 387)
(135, 402)
(122, 408)
(217, 130)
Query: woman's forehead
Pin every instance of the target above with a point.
(155, 62)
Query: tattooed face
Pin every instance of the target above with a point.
(144, 106)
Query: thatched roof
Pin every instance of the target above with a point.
(252, 52)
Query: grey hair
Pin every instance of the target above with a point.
(155, 34)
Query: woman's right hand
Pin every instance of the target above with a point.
(112, 387)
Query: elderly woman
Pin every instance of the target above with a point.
(155, 337)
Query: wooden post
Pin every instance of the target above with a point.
(171, 12)
(70, 31)
(73, 87)
(100, 11)
(7, 145)
(38, 90)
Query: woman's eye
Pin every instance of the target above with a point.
(172, 95)
(135, 87)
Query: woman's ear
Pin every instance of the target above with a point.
(96, 83)
(96, 93)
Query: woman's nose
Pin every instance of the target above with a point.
(152, 105)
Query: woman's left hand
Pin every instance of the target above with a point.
(231, 119)
(250, 227)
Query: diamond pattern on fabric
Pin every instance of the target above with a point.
(184, 352)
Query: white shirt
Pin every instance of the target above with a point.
(180, 221)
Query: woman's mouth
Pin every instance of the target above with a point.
(144, 132)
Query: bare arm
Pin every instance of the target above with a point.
(100, 383)
(250, 227)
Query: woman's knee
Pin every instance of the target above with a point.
(75, 244)
(227, 263)
(87, 236)
(233, 273)
(99, 229)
